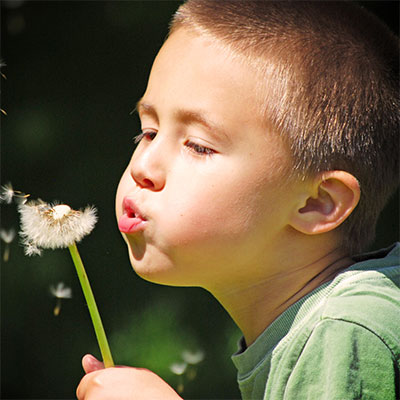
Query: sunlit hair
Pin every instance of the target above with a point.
(329, 82)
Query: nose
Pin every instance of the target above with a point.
(148, 166)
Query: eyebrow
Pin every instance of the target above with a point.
(186, 117)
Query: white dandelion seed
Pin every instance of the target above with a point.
(7, 236)
(60, 292)
(6, 193)
(178, 368)
(49, 226)
(193, 358)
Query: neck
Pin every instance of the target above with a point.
(255, 305)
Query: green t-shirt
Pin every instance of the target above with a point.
(340, 342)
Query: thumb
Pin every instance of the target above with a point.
(90, 363)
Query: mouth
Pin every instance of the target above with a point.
(131, 221)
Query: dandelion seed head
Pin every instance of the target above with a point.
(61, 291)
(61, 211)
(7, 236)
(50, 226)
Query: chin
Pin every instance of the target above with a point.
(155, 272)
(161, 272)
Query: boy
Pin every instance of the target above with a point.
(269, 146)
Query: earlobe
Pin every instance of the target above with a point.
(333, 197)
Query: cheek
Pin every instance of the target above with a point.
(215, 213)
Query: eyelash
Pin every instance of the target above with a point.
(194, 147)
(150, 135)
(198, 149)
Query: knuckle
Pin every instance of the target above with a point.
(98, 381)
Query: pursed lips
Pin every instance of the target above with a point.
(131, 221)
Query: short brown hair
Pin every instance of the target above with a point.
(335, 99)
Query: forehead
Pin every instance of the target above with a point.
(196, 72)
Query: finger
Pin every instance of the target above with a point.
(90, 364)
(81, 390)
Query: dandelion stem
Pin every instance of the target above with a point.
(94, 312)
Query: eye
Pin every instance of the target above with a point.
(199, 149)
(150, 135)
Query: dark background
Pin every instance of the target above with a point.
(75, 70)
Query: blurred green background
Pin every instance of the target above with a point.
(75, 70)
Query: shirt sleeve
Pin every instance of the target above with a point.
(342, 361)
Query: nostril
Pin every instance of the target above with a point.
(147, 183)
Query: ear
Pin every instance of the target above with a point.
(333, 196)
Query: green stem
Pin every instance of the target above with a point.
(94, 312)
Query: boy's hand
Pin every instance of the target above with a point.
(121, 383)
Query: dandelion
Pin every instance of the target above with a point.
(7, 236)
(52, 226)
(60, 292)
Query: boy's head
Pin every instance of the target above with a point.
(328, 83)
(245, 164)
